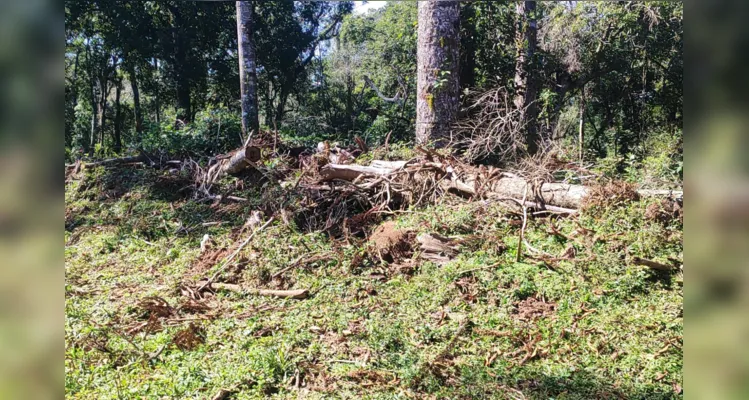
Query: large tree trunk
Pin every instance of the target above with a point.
(117, 118)
(526, 85)
(438, 52)
(247, 67)
(136, 99)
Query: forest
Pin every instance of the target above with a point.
(338, 199)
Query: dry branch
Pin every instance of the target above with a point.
(289, 294)
(652, 264)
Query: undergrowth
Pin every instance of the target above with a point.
(574, 319)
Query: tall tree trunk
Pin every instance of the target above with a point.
(156, 96)
(104, 83)
(136, 99)
(281, 105)
(247, 67)
(526, 85)
(94, 104)
(581, 128)
(184, 106)
(117, 118)
(438, 53)
(70, 126)
(468, 45)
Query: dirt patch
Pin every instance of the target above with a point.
(610, 194)
(665, 211)
(533, 308)
(207, 260)
(392, 244)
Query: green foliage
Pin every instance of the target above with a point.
(214, 131)
(372, 332)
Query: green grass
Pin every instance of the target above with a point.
(366, 331)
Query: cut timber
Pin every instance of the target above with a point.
(470, 181)
(437, 248)
(350, 172)
(234, 162)
(288, 294)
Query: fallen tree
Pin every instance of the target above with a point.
(415, 177)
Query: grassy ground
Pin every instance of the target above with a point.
(584, 325)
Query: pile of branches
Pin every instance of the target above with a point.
(493, 127)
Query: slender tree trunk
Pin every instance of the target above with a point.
(438, 53)
(468, 45)
(136, 99)
(184, 106)
(247, 67)
(94, 104)
(526, 87)
(156, 96)
(104, 83)
(117, 118)
(581, 128)
(70, 126)
(281, 106)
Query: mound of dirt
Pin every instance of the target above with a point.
(392, 244)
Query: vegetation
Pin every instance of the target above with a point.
(587, 326)
(215, 165)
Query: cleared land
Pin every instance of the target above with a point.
(574, 319)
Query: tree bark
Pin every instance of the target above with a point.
(104, 84)
(136, 99)
(94, 104)
(156, 95)
(438, 54)
(118, 119)
(581, 128)
(183, 79)
(526, 86)
(247, 67)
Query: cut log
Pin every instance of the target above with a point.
(234, 162)
(350, 172)
(289, 294)
(437, 248)
(468, 182)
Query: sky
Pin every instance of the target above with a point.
(359, 7)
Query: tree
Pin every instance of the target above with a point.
(247, 67)
(438, 53)
(526, 82)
